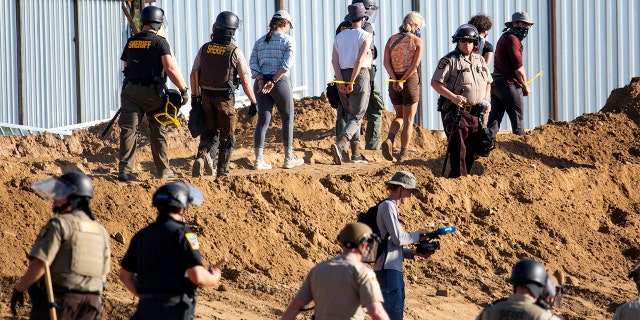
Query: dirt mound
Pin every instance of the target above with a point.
(563, 194)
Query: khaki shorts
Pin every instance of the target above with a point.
(409, 95)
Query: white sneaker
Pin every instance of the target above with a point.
(261, 165)
(292, 163)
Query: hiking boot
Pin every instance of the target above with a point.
(336, 151)
(208, 162)
(293, 162)
(359, 159)
(261, 165)
(387, 150)
(402, 157)
(126, 177)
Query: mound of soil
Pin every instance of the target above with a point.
(562, 194)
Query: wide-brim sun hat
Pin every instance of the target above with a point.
(521, 16)
(281, 14)
(405, 179)
(355, 12)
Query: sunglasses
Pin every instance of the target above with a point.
(467, 40)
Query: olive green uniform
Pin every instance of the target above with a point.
(516, 307)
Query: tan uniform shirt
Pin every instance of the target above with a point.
(517, 307)
(340, 287)
(77, 250)
(474, 75)
(628, 311)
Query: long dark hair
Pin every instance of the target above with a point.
(273, 25)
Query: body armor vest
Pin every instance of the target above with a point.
(81, 255)
(215, 58)
(144, 63)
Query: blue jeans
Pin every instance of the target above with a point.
(392, 285)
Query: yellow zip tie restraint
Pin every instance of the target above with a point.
(166, 117)
(341, 82)
(537, 75)
(393, 80)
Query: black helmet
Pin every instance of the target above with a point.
(82, 183)
(227, 20)
(177, 194)
(466, 31)
(153, 16)
(368, 4)
(173, 194)
(530, 273)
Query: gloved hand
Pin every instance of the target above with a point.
(253, 110)
(184, 94)
(196, 99)
(17, 299)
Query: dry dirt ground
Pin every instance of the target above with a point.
(563, 194)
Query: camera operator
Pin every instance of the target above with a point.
(388, 266)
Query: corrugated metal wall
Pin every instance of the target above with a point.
(48, 63)
(597, 50)
(102, 32)
(8, 63)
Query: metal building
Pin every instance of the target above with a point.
(60, 67)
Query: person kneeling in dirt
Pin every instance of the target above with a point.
(163, 265)
(342, 285)
(218, 93)
(529, 278)
(74, 247)
(630, 310)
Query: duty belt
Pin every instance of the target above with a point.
(143, 83)
(474, 110)
(169, 298)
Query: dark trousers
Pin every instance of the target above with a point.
(506, 97)
(69, 306)
(166, 309)
(461, 150)
(220, 119)
(136, 102)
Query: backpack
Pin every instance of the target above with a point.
(369, 218)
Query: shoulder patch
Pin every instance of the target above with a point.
(193, 240)
(443, 63)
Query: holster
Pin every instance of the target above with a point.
(232, 89)
(444, 104)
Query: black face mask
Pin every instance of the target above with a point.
(418, 33)
(520, 32)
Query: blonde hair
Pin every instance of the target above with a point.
(409, 20)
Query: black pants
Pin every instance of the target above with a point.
(506, 97)
(178, 308)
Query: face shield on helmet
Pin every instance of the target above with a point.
(196, 197)
(369, 255)
(53, 189)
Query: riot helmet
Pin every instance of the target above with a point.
(466, 32)
(82, 183)
(153, 16)
(176, 195)
(529, 273)
(76, 187)
(226, 20)
(354, 235)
